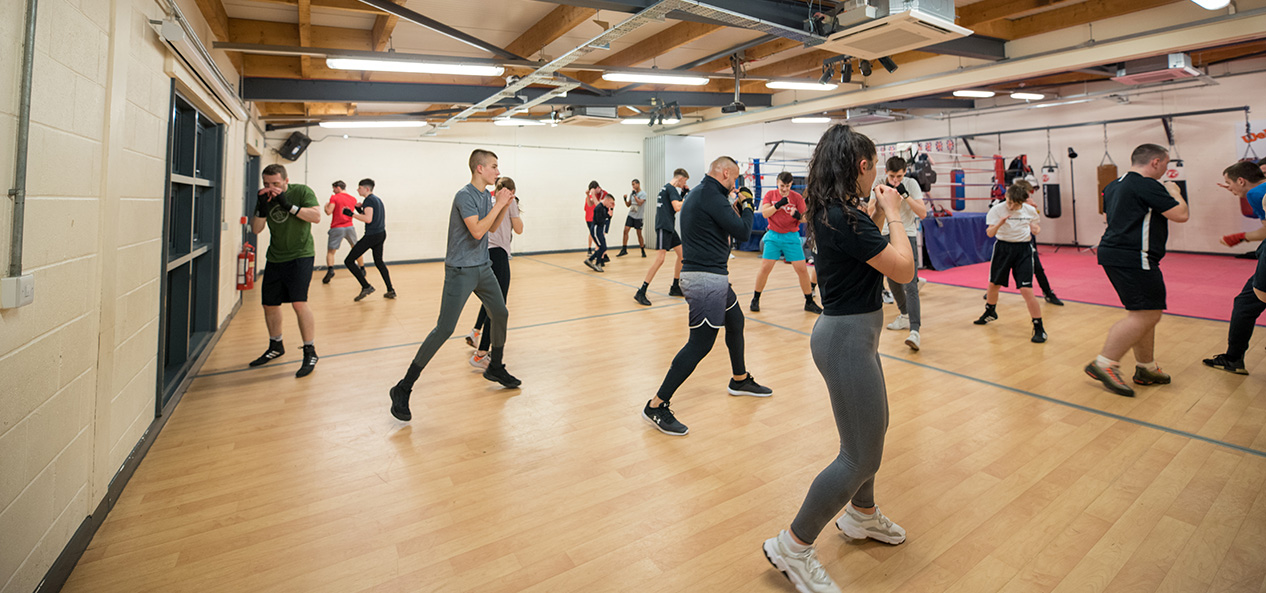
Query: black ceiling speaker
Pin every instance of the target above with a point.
(294, 146)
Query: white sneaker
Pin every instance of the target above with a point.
(921, 283)
(887, 297)
(858, 525)
(480, 362)
(913, 340)
(472, 339)
(803, 570)
(901, 322)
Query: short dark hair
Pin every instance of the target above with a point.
(786, 177)
(637, 182)
(505, 182)
(367, 182)
(593, 184)
(895, 164)
(275, 169)
(1246, 170)
(1146, 153)
(339, 184)
(1018, 192)
(479, 157)
(681, 173)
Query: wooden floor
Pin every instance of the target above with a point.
(1010, 469)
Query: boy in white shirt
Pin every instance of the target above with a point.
(1013, 223)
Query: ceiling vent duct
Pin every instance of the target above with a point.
(861, 117)
(900, 25)
(589, 117)
(1157, 69)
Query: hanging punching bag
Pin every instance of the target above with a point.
(958, 192)
(1178, 175)
(998, 193)
(1107, 174)
(1051, 204)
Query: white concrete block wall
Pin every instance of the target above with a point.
(80, 364)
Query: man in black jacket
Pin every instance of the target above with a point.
(708, 222)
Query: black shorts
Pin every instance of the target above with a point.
(633, 223)
(666, 240)
(1015, 259)
(1138, 289)
(286, 282)
(708, 296)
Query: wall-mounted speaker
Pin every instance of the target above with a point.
(294, 146)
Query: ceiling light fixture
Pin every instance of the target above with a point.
(513, 121)
(414, 67)
(1212, 4)
(645, 78)
(811, 120)
(801, 86)
(1028, 96)
(846, 73)
(888, 64)
(974, 94)
(386, 123)
(643, 121)
(866, 66)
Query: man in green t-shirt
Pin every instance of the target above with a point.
(289, 210)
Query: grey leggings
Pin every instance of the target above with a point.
(459, 283)
(907, 295)
(846, 350)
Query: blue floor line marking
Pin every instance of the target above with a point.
(1053, 400)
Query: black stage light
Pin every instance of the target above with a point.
(846, 73)
(888, 64)
(866, 67)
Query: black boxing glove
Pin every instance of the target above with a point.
(780, 203)
(360, 209)
(796, 215)
(262, 205)
(347, 212)
(281, 202)
(901, 189)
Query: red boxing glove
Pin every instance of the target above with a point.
(1233, 239)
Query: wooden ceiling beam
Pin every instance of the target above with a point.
(549, 29)
(305, 36)
(1069, 16)
(346, 5)
(273, 33)
(988, 11)
(218, 20)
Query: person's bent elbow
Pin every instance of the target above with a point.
(1261, 295)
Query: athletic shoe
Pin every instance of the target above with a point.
(329, 275)
(364, 292)
(479, 362)
(1111, 378)
(591, 251)
(986, 317)
(900, 323)
(812, 307)
(275, 349)
(749, 386)
(913, 340)
(391, 294)
(643, 252)
(622, 253)
(472, 338)
(803, 569)
(601, 268)
(400, 403)
(606, 259)
(309, 362)
(500, 375)
(1054, 300)
(641, 299)
(1144, 376)
(855, 524)
(663, 420)
(1039, 335)
(922, 281)
(755, 306)
(888, 297)
(592, 266)
(675, 291)
(731, 256)
(1226, 363)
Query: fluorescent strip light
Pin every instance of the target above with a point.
(684, 79)
(974, 94)
(800, 86)
(1212, 4)
(516, 122)
(1028, 96)
(810, 120)
(414, 67)
(390, 123)
(642, 121)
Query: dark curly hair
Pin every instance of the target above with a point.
(834, 176)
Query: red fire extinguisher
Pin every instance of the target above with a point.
(246, 267)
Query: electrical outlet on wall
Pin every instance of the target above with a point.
(18, 291)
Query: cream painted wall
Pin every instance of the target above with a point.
(417, 177)
(80, 363)
(1206, 143)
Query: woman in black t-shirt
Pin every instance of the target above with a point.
(852, 260)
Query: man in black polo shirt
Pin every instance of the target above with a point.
(708, 222)
(666, 207)
(1138, 207)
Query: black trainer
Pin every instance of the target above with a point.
(1039, 335)
(1054, 300)
(391, 294)
(755, 306)
(309, 362)
(606, 259)
(329, 275)
(749, 386)
(663, 420)
(1225, 363)
(623, 252)
(641, 299)
(499, 374)
(643, 252)
(364, 292)
(675, 290)
(275, 350)
(400, 403)
(989, 315)
(811, 306)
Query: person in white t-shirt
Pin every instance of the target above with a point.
(906, 296)
(1013, 222)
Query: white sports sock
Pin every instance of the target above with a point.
(276, 338)
(1151, 366)
(791, 543)
(1105, 362)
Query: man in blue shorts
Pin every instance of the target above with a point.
(784, 209)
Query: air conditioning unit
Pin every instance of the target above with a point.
(1157, 69)
(590, 117)
(861, 117)
(897, 32)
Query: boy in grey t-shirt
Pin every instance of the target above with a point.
(635, 200)
(467, 269)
